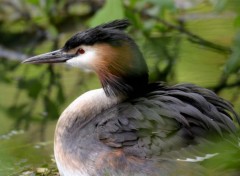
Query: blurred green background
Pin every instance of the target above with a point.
(196, 41)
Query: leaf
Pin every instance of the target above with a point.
(16, 110)
(237, 21)
(219, 5)
(32, 86)
(52, 30)
(60, 94)
(52, 109)
(33, 2)
(112, 10)
(163, 4)
(49, 5)
(233, 64)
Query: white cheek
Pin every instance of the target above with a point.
(83, 61)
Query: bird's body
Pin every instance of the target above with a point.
(130, 127)
(119, 136)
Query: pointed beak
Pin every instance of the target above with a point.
(51, 57)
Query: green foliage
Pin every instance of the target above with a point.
(181, 43)
(112, 10)
(233, 64)
(219, 5)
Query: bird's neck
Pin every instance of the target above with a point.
(84, 108)
(122, 70)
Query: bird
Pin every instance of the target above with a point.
(130, 126)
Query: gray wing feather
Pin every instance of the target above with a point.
(165, 120)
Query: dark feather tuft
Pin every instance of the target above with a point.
(111, 33)
(117, 24)
(125, 85)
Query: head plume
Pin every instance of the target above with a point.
(111, 32)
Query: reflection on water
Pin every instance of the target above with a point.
(20, 153)
(11, 134)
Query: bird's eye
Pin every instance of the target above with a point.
(80, 51)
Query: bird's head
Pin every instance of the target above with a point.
(109, 52)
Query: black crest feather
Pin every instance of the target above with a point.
(116, 24)
(111, 33)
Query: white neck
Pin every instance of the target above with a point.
(88, 105)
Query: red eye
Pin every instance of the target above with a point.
(80, 51)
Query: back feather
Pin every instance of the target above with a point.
(166, 119)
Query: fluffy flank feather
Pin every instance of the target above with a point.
(198, 106)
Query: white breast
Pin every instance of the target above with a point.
(87, 105)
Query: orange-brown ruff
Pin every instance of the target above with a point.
(131, 127)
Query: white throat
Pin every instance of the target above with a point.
(92, 102)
